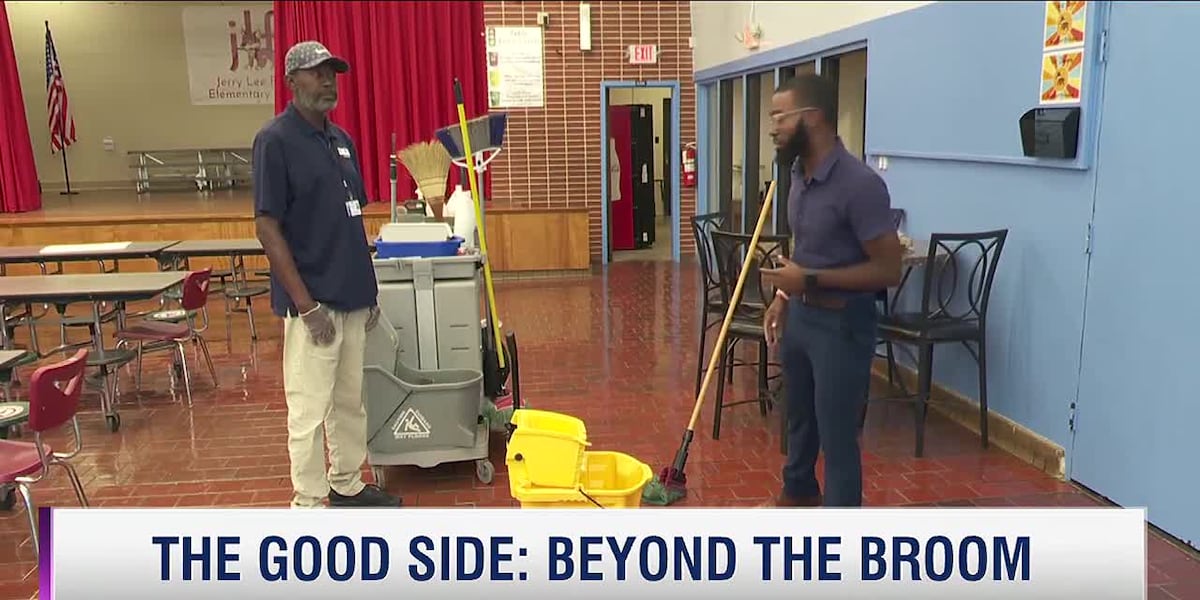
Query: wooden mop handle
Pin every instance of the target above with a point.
(733, 302)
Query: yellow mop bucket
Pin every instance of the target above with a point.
(545, 449)
(607, 480)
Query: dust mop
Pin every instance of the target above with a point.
(671, 484)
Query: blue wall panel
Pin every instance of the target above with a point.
(947, 85)
(1035, 318)
(952, 79)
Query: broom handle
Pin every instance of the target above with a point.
(487, 270)
(392, 176)
(733, 303)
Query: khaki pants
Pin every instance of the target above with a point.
(324, 399)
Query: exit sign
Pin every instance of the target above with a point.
(643, 54)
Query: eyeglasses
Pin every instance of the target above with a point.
(778, 118)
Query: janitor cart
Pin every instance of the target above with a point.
(430, 372)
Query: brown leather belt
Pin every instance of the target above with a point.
(826, 302)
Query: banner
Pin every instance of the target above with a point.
(876, 554)
(230, 53)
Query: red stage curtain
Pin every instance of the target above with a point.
(403, 59)
(18, 172)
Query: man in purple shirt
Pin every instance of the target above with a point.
(823, 317)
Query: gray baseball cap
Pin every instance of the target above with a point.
(306, 55)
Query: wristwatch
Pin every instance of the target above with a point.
(810, 282)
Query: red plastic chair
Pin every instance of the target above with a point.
(54, 392)
(151, 335)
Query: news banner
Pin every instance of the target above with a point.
(574, 554)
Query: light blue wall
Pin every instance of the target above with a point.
(943, 104)
(946, 85)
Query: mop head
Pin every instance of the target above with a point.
(669, 488)
(429, 165)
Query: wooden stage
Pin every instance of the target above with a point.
(519, 239)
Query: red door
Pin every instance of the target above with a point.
(620, 181)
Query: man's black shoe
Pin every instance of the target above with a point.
(371, 496)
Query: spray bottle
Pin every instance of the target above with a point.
(462, 207)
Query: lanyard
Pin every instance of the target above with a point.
(329, 145)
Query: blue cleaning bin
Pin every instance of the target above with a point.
(417, 249)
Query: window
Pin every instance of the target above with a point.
(725, 154)
(849, 70)
(737, 148)
(743, 153)
(784, 172)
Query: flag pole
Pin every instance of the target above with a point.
(66, 170)
(62, 119)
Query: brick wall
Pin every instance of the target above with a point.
(551, 155)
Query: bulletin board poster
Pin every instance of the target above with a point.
(230, 53)
(1062, 77)
(515, 67)
(1065, 27)
(1064, 38)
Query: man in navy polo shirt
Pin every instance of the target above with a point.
(824, 318)
(308, 198)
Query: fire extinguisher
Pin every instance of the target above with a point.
(689, 165)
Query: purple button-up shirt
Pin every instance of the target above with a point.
(832, 212)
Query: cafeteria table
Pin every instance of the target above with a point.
(98, 252)
(175, 256)
(115, 288)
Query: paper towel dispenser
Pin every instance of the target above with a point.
(1051, 132)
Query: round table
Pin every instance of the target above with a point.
(12, 413)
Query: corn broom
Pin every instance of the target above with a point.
(429, 165)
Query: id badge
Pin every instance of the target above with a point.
(353, 209)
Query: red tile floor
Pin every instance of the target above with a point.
(615, 349)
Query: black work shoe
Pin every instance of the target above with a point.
(370, 496)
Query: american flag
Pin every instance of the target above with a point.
(62, 124)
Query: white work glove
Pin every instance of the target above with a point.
(320, 325)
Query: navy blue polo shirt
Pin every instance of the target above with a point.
(832, 211)
(309, 180)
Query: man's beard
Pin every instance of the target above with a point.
(316, 102)
(796, 147)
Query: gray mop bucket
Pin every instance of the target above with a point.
(413, 411)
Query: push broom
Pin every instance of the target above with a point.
(671, 485)
(479, 224)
